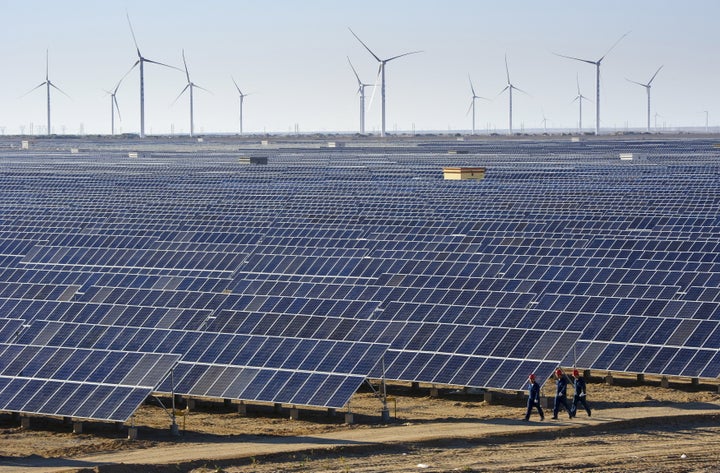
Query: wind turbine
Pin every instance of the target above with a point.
(472, 103)
(113, 106)
(48, 84)
(509, 87)
(361, 91)
(647, 88)
(579, 97)
(597, 79)
(142, 60)
(381, 73)
(113, 102)
(544, 120)
(242, 99)
(190, 85)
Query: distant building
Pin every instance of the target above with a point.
(463, 173)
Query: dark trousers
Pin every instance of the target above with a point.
(579, 400)
(561, 401)
(530, 406)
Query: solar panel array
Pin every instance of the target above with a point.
(294, 282)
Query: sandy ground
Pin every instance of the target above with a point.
(633, 428)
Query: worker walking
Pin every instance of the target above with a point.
(580, 395)
(561, 394)
(534, 398)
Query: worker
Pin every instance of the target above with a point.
(534, 398)
(561, 394)
(580, 395)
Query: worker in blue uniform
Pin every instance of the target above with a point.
(534, 398)
(561, 394)
(580, 395)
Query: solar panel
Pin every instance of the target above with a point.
(559, 256)
(80, 383)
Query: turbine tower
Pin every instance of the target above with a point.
(597, 79)
(141, 61)
(509, 87)
(361, 91)
(381, 73)
(647, 88)
(48, 84)
(242, 99)
(190, 85)
(472, 103)
(579, 97)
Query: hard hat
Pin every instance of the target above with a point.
(532, 376)
(558, 372)
(576, 373)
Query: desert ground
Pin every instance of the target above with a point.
(634, 427)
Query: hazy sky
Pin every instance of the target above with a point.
(291, 57)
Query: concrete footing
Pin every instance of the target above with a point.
(641, 378)
(609, 379)
(294, 413)
(242, 409)
(664, 382)
(434, 392)
(487, 397)
(227, 402)
(77, 427)
(415, 386)
(349, 418)
(695, 381)
(277, 407)
(385, 416)
(331, 412)
(24, 422)
(132, 433)
(191, 404)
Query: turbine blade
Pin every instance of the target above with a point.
(236, 86)
(117, 86)
(520, 90)
(377, 79)
(507, 71)
(201, 88)
(469, 108)
(47, 64)
(180, 94)
(187, 74)
(33, 89)
(576, 59)
(132, 32)
(638, 83)
(577, 81)
(472, 89)
(653, 77)
(59, 90)
(162, 64)
(405, 54)
(506, 88)
(366, 47)
(355, 72)
(117, 107)
(612, 47)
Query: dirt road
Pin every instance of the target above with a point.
(642, 438)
